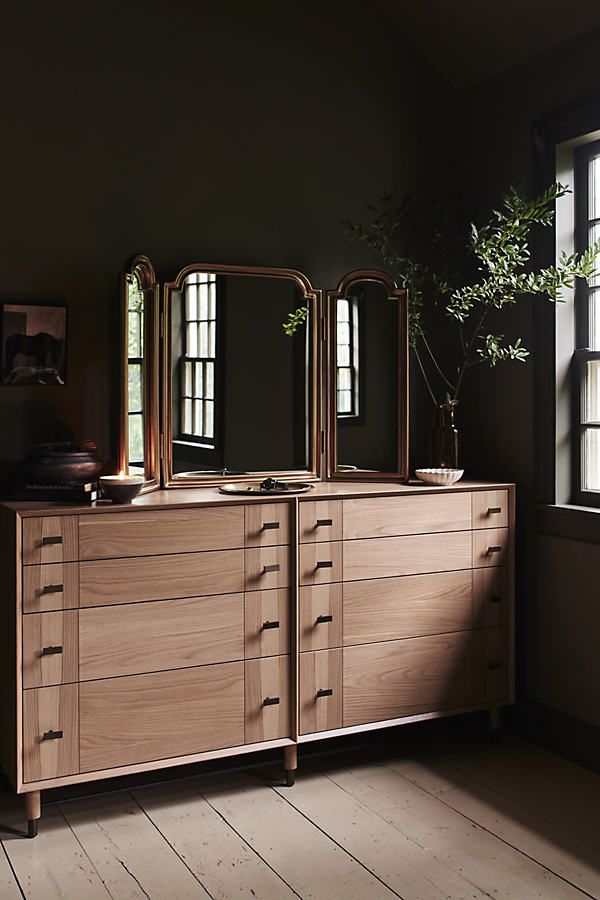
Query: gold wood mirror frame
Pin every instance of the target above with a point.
(313, 374)
(139, 450)
(353, 386)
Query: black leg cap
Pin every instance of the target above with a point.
(32, 828)
(290, 777)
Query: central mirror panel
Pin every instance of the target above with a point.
(241, 394)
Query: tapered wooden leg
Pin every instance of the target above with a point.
(290, 761)
(33, 811)
(495, 723)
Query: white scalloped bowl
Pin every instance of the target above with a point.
(439, 476)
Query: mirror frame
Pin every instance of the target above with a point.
(313, 298)
(141, 268)
(401, 296)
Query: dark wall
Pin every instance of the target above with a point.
(232, 132)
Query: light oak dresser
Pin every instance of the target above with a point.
(193, 625)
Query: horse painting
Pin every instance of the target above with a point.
(33, 344)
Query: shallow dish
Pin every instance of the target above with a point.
(244, 487)
(439, 476)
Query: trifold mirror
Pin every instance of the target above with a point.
(240, 398)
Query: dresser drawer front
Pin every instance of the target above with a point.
(410, 555)
(490, 547)
(112, 581)
(490, 596)
(50, 648)
(267, 623)
(490, 509)
(320, 691)
(320, 520)
(164, 634)
(51, 586)
(50, 732)
(411, 677)
(267, 568)
(152, 532)
(50, 539)
(320, 617)
(387, 609)
(139, 718)
(391, 516)
(321, 563)
(267, 524)
(267, 699)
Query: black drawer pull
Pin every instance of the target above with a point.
(274, 568)
(325, 692)
(54, 539)
(325, 564)
(321, 619)
(270, 526)
(321, 523)
(494, 666)
(53, 589)
(52, 735)
(495, 598)
(267, 624)
(271, 701)
(494, 510)
(497, 549)
(51, 651)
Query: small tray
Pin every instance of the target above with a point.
(245, 487)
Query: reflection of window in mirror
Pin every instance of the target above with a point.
(198, 360)
(347, 357)
(135, 376)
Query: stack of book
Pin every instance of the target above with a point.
(62, 492)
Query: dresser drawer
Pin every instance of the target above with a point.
(157, 531)
(50, 732)
(409, 555)
(50, 539)
(267, 568)
(320, 617)
(166, 634)
(391, 608)
(497, 684)
(267, 699)
(267, 524)
(413, 514)
(51, 586)
(50, 648)
(321, 563)
(320, 520)
(490, 547)
(414, 676)
(490, 596)
(490, 509)
(320, 691)
(111, 581)
(125, 721)
(267, 623)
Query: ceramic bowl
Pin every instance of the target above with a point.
(121, 490)
(439, 476)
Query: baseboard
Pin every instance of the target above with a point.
(576, 740)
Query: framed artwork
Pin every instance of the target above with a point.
(34, 343)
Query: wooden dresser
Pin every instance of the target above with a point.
(193, 625)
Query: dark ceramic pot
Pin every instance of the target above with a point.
(59, 463)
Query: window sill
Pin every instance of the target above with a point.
(577, 523)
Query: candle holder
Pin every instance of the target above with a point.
(121, 488)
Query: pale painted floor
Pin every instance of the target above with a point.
(463, 819)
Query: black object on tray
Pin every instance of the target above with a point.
(268, 486)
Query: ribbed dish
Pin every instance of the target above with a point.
(439, 476)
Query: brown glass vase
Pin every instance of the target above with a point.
(444, 443)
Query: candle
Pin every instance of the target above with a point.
(121, 488)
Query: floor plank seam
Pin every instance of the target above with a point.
(12, 869)
(102, 881)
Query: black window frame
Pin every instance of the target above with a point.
(201, 441)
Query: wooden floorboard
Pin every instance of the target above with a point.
(460, 820)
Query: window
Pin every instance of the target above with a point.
(347, 357)
(199, 359)
(135, 375)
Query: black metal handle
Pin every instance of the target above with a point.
(53, 589)
(271, 701)
(54, 539)
(324, 564)
(267, 624)
(325, 692)
(321, 523)
(495, 598)
(52, 735)
(497, 549)
(274, 568)
(324, 619)
(493, 666)
(494, 510)
(270, 526)
(51, 651)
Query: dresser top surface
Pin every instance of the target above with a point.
(178, 498)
